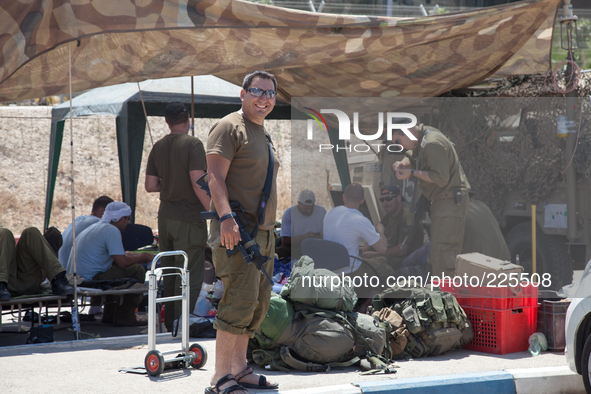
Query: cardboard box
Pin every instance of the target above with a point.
(489, 270)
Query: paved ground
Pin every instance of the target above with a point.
(94, 366)
(9, 336)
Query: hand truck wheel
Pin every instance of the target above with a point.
(154, 363)
(200, 355)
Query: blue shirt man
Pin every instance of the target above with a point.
(100, 256)
(81, 224)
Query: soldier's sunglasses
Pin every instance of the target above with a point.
(256, 92)
(388, 198)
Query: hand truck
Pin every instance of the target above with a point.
(188, 356)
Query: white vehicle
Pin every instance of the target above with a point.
(578, 330)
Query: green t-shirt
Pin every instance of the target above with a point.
(438, 156)
(244, 143)
(171, 159)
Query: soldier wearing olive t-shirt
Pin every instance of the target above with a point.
(238, 159)
(174, 164)
(432, 159)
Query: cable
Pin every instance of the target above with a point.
(572, 78)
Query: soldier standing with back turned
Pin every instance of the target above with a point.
(433, 160)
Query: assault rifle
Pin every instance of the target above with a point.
(249, 249)
(422, 205)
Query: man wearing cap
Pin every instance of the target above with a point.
(175, 163)
(300, 222)
(400, 244)
(100, 256)
(433, 161)
(238, 160)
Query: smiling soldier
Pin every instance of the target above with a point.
(238, 159)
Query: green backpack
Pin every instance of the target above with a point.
(371, 336)
(279, 316)
(314, 340)
(314, 324)
(319, 288)
(319, 337)
(435, 320)
(282, 359)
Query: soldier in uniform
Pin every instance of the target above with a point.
(432, 159)
(238, 161)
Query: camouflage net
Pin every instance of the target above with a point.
(524, 86)
(530, 160)
(582, 158)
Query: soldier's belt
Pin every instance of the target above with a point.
(448, 195)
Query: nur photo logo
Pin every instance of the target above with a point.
(393, 121)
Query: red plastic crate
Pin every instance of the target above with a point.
(501, 331)
(497, 298)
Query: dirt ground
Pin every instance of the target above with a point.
(24, 151)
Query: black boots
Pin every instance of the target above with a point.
(60, 285)
(4, 294)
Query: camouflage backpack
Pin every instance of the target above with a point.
(313, 339)
(434, 319)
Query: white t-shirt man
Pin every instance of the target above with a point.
(349, 227)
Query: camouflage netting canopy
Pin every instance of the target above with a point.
(517, 148)
(313, 55)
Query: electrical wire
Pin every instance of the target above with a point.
(571, 80)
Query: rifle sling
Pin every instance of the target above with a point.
(266, 190)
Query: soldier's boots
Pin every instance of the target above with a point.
(4, 294)
(60, 285)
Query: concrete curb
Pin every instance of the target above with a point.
(551, 380)
(547, 380)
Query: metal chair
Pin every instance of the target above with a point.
(328, 254)
(136, 236)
